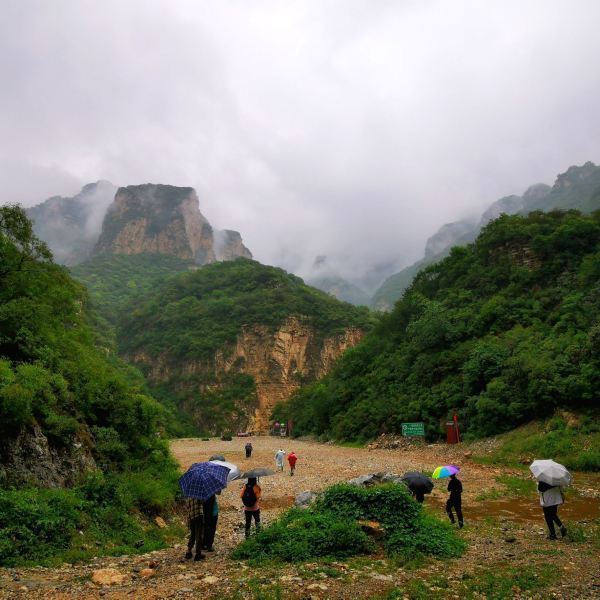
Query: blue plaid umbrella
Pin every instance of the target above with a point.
(203, 480)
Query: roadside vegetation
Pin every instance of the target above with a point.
(335, 528)
(55, 380)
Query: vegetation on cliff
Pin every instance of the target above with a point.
(52, 377)
(504, 330)
(191, 317)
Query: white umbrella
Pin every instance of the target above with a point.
(550, 472)
(234, 472)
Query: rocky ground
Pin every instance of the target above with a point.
(508, 554)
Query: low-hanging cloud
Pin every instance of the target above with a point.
(347, 128)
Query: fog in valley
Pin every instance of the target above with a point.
(349, 129)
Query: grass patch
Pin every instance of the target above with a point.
(331, 528)
(512, 487)
(573, 440)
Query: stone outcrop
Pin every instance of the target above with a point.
(29, 459)
(229, 245)
(165, 219)
(161, 219)
(279, 362)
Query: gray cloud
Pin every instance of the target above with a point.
(351, 128)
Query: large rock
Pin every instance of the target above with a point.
(160, 219)
(108, 577)
(305, 499)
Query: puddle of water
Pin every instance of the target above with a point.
(526, 509)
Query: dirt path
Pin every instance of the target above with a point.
(506, 539)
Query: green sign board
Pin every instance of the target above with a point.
(413, 429)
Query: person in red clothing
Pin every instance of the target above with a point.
(292, 458)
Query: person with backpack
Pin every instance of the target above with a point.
(551, 497)
(279, 457)
(250, 499)
(248, 448)
(292, 458)
(455, 500)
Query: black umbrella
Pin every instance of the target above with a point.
(256, 473)
(218, 457)
(417, 482)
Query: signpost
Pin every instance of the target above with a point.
(413, 429)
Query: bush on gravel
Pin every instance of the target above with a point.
(330, 528)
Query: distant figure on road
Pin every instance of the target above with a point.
(250, 499)
(292, 458)
(248, 448)
(279, 458)
(455, 500)
(551, 498)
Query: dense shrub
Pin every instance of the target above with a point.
(302, 534)
(331, 528)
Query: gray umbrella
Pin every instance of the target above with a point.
(256, 473)
(550, 472)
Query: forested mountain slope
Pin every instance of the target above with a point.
(228, 340)
(503, 330)
(577, 188)
(70, 415)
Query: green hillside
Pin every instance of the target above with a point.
(114, 280)
(192, 316)
(577, 188)
(503, 330)
(54, 381)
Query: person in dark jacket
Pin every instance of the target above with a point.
(248, 448)
(197, 510)
(551, 498)
(455, 500)
(419, 496)
(210, 527)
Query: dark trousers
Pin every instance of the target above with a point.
(551, 516)
(210, 528)
(196, 534)
(249, 515)
(456, 504)
(248, 453)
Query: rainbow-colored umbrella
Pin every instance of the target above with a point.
(445, 471)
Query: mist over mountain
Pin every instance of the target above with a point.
(577, 188)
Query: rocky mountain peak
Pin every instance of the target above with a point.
(575, 174)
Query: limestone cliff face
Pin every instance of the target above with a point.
(165, 219)
(161, 219)
(279, 362)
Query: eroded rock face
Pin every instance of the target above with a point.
(279, 361)
(229, 245)
(29, 459)
(160, 219)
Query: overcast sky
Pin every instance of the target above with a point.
(348, 128)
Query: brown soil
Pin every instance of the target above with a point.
(503, 533)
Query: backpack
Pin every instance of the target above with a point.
(249, 496)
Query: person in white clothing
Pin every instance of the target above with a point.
(551, 498)
(279, 457)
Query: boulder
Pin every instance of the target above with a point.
(160, 522)
(304, 499)
(108, 577)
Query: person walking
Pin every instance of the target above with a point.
(279, 457)
(551, 497)
(250, 499)
(455, 500)
(210, 526)
(197, 511)
(248, 448)
(419, 496)
(292, 458)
